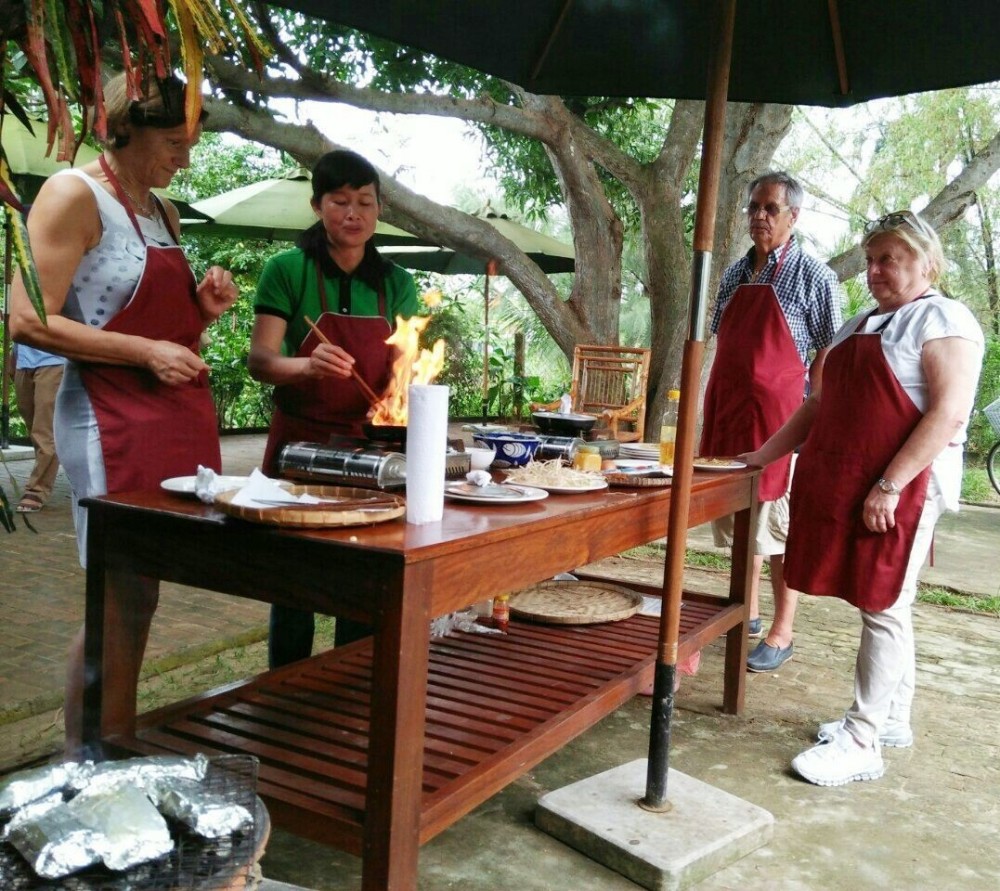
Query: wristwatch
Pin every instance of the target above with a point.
(889, 487)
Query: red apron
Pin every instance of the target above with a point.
(150, 430)
(864, 418)
(757, 380)
(314, 409)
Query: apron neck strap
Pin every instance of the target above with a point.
(890, 317)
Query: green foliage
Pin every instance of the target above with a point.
(969, 602)
(976, 486)
(240, 401)
(463, 366)
(981, 433)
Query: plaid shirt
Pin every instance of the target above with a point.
(808, 293)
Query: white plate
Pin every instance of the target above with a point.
(730, 465)
(518, 494)
(593, 486)
(184, 485)
(641, 447)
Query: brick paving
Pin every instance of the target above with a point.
(42, 601)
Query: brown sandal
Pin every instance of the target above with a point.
(29, 504)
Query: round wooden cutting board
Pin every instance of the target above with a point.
(353, 513)
(575, 603)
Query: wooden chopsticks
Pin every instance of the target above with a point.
(370, 394)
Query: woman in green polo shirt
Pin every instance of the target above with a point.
(335, 277)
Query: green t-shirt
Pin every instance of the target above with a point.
(287, 288)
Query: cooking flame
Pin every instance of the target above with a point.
(412, 365)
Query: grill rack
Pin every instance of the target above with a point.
(194, 864)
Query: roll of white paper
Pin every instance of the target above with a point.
(426, 443)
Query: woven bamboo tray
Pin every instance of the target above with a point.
(315, 515)
(575, 603)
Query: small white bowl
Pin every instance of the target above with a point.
(481, 458)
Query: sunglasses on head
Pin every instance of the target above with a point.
(894, 220)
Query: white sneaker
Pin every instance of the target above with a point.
(839, 760)
(895, 734)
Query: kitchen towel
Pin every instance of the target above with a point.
(426, 442)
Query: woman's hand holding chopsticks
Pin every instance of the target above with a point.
(330, 356)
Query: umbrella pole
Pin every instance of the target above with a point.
(7, 279)
(657, 768)
(486, 347)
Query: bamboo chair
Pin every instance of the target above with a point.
(610, 381)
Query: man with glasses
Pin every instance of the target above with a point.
(775, 316)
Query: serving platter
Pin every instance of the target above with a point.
(517, 494)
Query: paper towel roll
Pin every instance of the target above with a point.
(426, 442)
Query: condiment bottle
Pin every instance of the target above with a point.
(501, 612)
(668, 428)
(587, 457)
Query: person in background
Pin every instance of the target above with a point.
(37, 376)
(123, 306)
(336, 278)
(776, 307)
(880, 459)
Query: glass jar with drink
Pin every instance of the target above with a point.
(668, 428)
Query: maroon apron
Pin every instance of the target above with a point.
(312, 410)
(864, 418)
(757, 380)
(150, 430)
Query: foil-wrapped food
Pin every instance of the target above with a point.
(64, 818)
(208, 814)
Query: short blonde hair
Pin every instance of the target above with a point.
(162, 106)
(916, 233)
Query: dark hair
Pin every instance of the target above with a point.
(333, 171)
(162, 107)
(343, 168)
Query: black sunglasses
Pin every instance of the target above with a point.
(894, 220)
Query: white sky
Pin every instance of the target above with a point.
(437, 157)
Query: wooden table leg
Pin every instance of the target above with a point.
(740, 579)
(395, 760)
(115, 630)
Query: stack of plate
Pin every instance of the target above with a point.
(649, 451)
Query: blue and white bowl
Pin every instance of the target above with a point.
(510, 449)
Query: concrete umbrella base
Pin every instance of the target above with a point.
(704, 830)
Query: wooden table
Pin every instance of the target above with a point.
(378, 746)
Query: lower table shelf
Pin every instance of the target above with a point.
(496, 706)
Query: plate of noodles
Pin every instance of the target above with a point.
(556, 478)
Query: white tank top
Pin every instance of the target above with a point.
(107, 274)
